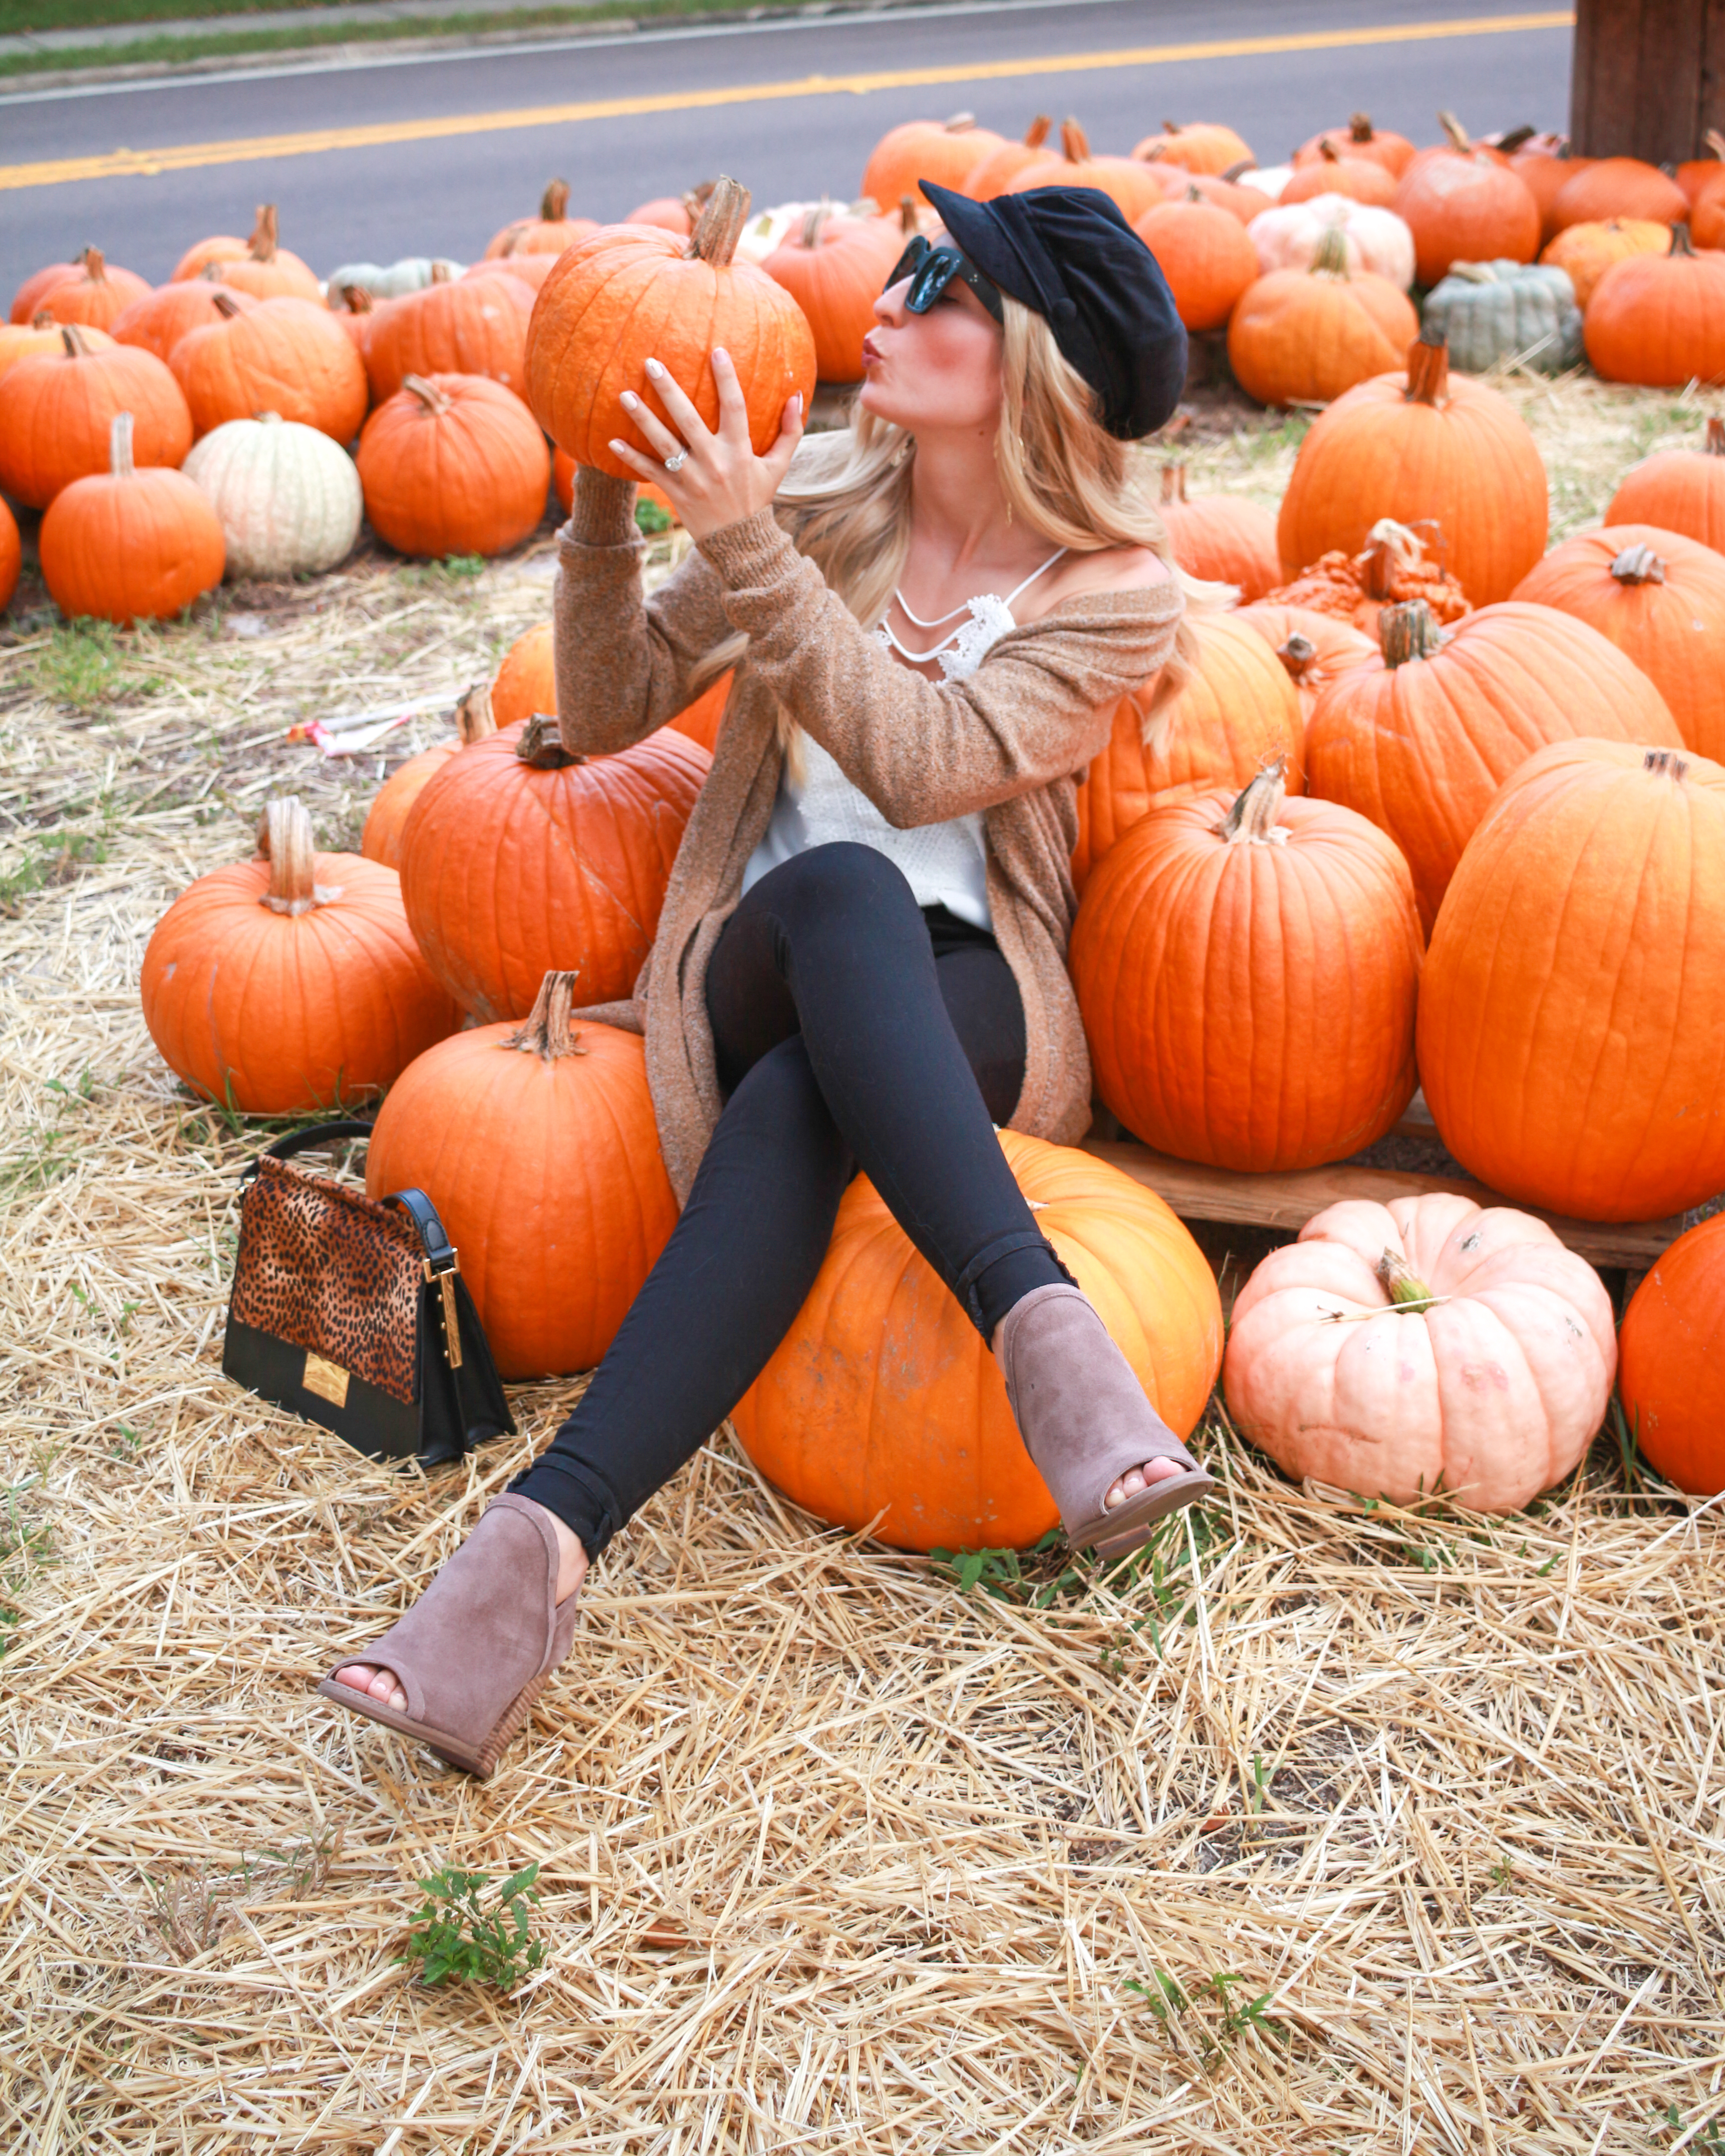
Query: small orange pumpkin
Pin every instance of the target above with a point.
(453, 465)
(1332, 171)
(1608, 187)
(130, 546)
(1310, 336)
(270, 271)
(96, 294)
(1359, 138)
(31, 340)
(990, 176)
(387, 817)
(548, 233)
(12, 556)
(1670, 1371)
(1134, 189)
(27, 302)
(464, 326)
(1313, 648)
(156, 322)
(57, 413)
(835, 268)
(1205, 254)
(284, 356)
(1587, 251)
(1659, 320)
(1223, 538)
(525, 683)
(1198, 146)
(1679, 489)
(1464, 204)
(944, 151)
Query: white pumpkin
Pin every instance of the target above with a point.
(1397, 1350)
(1288, 236)
(387, 281)
(288, 498)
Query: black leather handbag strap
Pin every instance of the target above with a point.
(424, 1215)
(316, 1134)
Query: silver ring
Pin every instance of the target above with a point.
(677, 462)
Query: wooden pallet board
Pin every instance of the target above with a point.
(1289, 1200)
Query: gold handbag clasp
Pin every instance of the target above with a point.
(443, 1275)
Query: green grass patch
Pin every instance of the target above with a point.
(459, 1936)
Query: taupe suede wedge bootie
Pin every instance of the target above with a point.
(473, 1652)
(1086, 1421)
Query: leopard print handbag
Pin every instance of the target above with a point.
(352, 1312)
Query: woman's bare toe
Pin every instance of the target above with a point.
(381, 1684)
(1139, 1478)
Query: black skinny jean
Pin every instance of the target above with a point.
(851, 1029)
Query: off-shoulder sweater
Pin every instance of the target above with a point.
(1013, 739)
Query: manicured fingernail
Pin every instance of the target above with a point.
(719, 352)
(797, 401)
(618, 448)
(629, 400)
(654, 369)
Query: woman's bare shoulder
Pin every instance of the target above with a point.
(1112, 569)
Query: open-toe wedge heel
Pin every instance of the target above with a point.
(473, 1652)
(1086, 1421)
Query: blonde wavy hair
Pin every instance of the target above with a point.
(845, 502)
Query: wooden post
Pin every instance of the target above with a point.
(1648, 78)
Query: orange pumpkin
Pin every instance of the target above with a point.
(548, 233)
(1660, 600)
(1359, 138)
(1237, 713)
(1660, 319)
(881, 1348)
(1222, 537)
(1198, 146)
(1571, 1015)
(130, 546)
(1247, 974)
(1699, 176)
(1464, 204)
(530, 269)
(525, 683)
(28, 300)
(57, 413)
(284, 356)
(1240, 199)
(946, 152)
(452, 465)
(358, 317)
(522, 858)
(1545, 172)
(1679, 489)
(1313, 648)
(268, 270)
(1134, 190)
(537, 1145)
(629, 294)
(1420, 740)
(1424, 449)
(1587, 251)
(387, 818)
(1395, 567)
(291, 983)
(1205, 256)
(1706, 220)
(1618, 188)
(835, 268)
(156, 322)
(991, 175)
(464, 326)
(12, 556)
(96, 293)
(1310, 336)
(670, 213)
(1671, 1370)
(1332, 171)
(29, 341)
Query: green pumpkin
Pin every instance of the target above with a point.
(1490, 311)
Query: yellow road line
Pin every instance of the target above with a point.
(185, 157)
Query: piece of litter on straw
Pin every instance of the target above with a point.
(358, 730)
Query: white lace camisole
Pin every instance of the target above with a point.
(944, 864)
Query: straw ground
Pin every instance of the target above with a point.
(1327, 1829)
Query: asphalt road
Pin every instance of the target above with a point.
(784, 133)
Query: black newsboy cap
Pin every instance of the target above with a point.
(1069, 253)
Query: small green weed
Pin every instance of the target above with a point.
(1709, 2138)
(456, 1934)
(26, 1545)
(651, 518)
(81, 664)
(49, 861)
(1163, 1995)
(448, 577)
(1166, 1999)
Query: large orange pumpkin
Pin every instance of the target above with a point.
(96, 294)
(1464, 204)
(1572, 1016)
(57, 413)
(1679, 489)
(1588, 251)
(30, 341)
(537, 1145)
(1618, 186)
(1671, 1371)
(466, 326)
(1333, 172)
(1248, 975)
(883, 1409)
(1310, 336)
(946, 152)
(453, 465)
(1199, 146)
(1359, 138)
(1221, 537)
(990, 176)
(127, 546)
(387, 818)
(284, 356)
(1420, 740)
(291, 982)
(1659, 320)
(630, 294)
(1204, 255)
(548, 233)
(1238, 713)
(835, 268)
(522, 860)
(156, 322)
(1313, 648)
(1133, 189)
(1422, 447)
(12, 557)
(1660, 600)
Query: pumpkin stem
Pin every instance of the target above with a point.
(1666, 763)
(94, 266)
(1252, 818)
(120, 464)
(960, 123)
(263, 242)
(1713, 441)
(1074, 143)
(1329, 258)
(1408, 631)
(1427, 371)
(356, 300)
(284, 841)
(1390, 547)
(1236, 173)
(554, 203)
(226, 306)
(720, 227)
(1296, 656)
(1405, 1289)
(474, 719)
(908, 220)
(440, 272)
(1638, 565)
(428, 394)
(541, 744)
(1680, 240)
(1715, 142)
(43, 319)
(72, 336)
(1460, 139)
(1359, 126)
(1173, 483)
(1172, 127)
(815, 219)
(1515, 138)
(548, 1031)
(211, 273)
(1327, 150)
(1037, 133)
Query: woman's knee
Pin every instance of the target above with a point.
(842, 881)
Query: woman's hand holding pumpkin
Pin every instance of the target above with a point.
(720, 479)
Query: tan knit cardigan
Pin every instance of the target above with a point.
(1011, 740)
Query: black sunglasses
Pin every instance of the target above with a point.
(931, 270)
